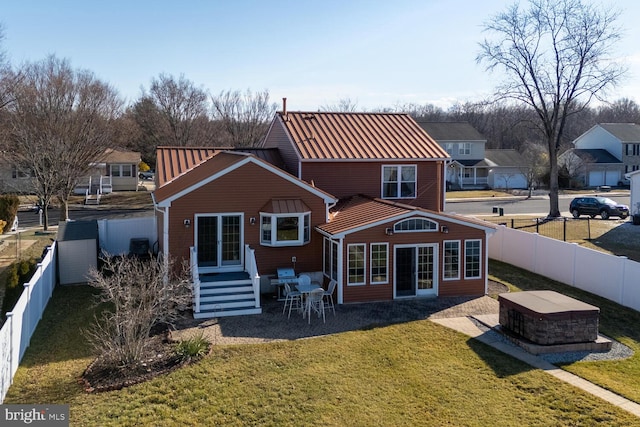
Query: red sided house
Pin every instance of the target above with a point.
(356, 197)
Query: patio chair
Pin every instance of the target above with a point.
(291, 297)
(303, 279)
(315, 303)
(328, 296)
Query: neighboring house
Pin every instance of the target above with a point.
(507, 169)
(357, 198)
(116, 170)
(472, 165)
(15, 180)
(591, 167)
(621, 140)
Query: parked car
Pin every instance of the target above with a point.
(146, 175)
(593, 206)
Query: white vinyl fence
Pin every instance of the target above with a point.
(15, 334)
(116, 234)
(612, 277)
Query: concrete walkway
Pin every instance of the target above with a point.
(468, 327)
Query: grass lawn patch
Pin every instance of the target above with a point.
(414, 373)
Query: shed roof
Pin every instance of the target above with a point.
(359, 136)
(625, 132)
(451, 131)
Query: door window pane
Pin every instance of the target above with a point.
(208, 241)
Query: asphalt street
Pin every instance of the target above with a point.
(30, 219)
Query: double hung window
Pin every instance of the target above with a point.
(399, 182)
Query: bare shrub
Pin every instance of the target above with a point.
(142, 294)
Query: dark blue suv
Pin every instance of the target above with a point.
(593, 206)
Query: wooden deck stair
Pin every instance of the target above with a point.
(226, 294)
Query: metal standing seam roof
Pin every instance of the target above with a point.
(359, 136)
(360, 211)
(172, 162)
(279, 206)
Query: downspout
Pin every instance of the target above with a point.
(340, 272)
(444, 186)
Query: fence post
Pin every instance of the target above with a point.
(11, 361)
(623, 261)
(564, 230)
(538, 225)
(589, 227)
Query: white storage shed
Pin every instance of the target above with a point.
(77, 250)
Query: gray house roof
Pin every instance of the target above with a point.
(594, 155)
(505, 158)
(625, 132)
(452, 131)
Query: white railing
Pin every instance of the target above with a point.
(609, 276)
(195, 276)
(479, 180)
(15, 334)
(252, 269)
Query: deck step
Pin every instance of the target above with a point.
(224, 295)
(225, 290)
(210, 314)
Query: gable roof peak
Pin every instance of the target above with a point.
(358, 136)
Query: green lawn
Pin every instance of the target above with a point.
(416, 373)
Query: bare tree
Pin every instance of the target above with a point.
(59, 125)
(143, 293)
(7, 78)
(623, 110)
(244, 117)
(344, 105)
(171, 109)
(555, 56)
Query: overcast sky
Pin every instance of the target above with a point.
(378, 53)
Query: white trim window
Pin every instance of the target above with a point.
(413, 225)
(379, 254)
(356, 264)
(285, 229)
(399, 182)
(472, 259)
(451, 260)
(124, 170)
(464, 149)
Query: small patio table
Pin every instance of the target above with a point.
(305, 289)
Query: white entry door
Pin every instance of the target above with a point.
(416, 270)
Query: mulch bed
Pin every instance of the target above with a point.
(160, 359)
